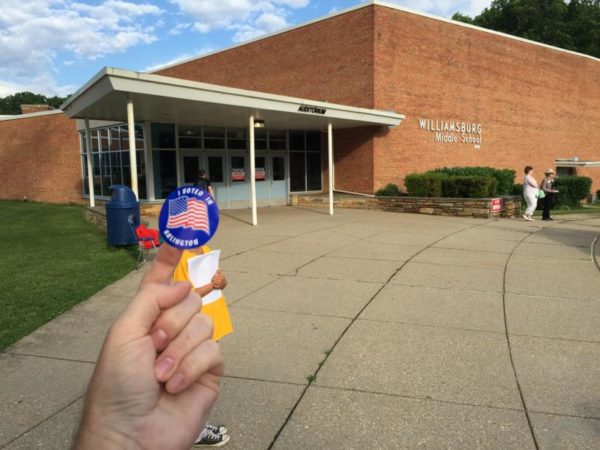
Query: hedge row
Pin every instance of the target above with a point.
(572, 189)
(441, 185)
(504, 177)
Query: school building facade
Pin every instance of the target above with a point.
(381, 90)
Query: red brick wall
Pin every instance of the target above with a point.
(534, 104)
(39, 158)
(330, 60)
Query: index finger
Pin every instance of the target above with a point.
(163, 266)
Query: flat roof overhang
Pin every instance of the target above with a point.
(564, 162)
(158, 98)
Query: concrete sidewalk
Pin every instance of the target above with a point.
(366, 330)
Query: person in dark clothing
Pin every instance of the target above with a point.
(204, 182)
(550, 198)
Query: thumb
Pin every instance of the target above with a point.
(146, 306)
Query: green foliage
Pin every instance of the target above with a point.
(469, 187)
(517, 189)
(11, 104)
(391, 190)
(574, 25)
(424, 185)
(505, 177)
(52, 258)
(572, 189)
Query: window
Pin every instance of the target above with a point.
(190, 137)
(260, 173)
(236, 139)
(163, 135)
(214, 137)
(215, 169)
(165, 172)
(278, 168)
(238, 169)
(305, 161)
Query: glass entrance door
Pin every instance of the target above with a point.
(278, 181)
(239, 178)
(192, 163)
(262, 177)
(215, 166)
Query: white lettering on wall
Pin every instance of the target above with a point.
(452, 131)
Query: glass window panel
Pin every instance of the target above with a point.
(191, 166)
(214, 137)
(277, 145)
(139, 131)
(114, 133)
(297, 171)
(163, 135)
(86, 190)
(313, 171)
(104, 144)
(125, 168)
(278, 168)
(165, 173)
(190, 136)
(141, 166)
(215, 169)
(296, 140)
(238, 169)
(313, 141)
(260, 133)
(277, 135)
(260, 168)
(83, 143)
(115, 162)
(260, 144)
(106, 175)
(95, 142)
(103, 132)
(237, 144)
(96, 164)
(237, 133)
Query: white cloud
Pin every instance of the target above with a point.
(444, 8)
(42, 84)
(248, 19)
(33, 33)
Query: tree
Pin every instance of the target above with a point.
(573, 26)
(11, 104)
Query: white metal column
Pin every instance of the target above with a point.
(132, 148)
(90, 172)
(330, 165)
(252, 171)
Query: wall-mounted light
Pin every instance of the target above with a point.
(259, 123)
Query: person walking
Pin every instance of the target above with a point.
(550, 193)
(203, 182)
(530, 192)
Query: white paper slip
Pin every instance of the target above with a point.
(201, 269)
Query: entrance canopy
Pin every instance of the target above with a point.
(161, 99)
(123, 96)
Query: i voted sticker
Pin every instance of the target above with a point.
(189, 217)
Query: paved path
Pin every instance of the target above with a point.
(414, 331)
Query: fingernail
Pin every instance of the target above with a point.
(163, 367)
(159, 337)
(175, 382)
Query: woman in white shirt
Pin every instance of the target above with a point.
(530, 192)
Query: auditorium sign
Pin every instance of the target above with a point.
(452, 131)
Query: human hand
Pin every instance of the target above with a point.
(138, 398)
(219, 281)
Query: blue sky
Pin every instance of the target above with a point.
(52, 47)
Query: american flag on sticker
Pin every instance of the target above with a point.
(189, 213)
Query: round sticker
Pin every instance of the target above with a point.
(189, 217)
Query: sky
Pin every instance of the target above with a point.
(53, 47)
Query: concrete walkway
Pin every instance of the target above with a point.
(367, 330)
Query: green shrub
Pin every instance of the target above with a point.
(391, 190)
(517, 189)
(572, 189)
(469, 187)
(424, 185)
(438, 184)
(504, 177)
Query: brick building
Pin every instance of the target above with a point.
(460, 95)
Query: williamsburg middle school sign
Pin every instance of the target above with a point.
(452, 132)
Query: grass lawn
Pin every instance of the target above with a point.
(52, 259)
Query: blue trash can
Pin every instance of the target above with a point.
(122, 205)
